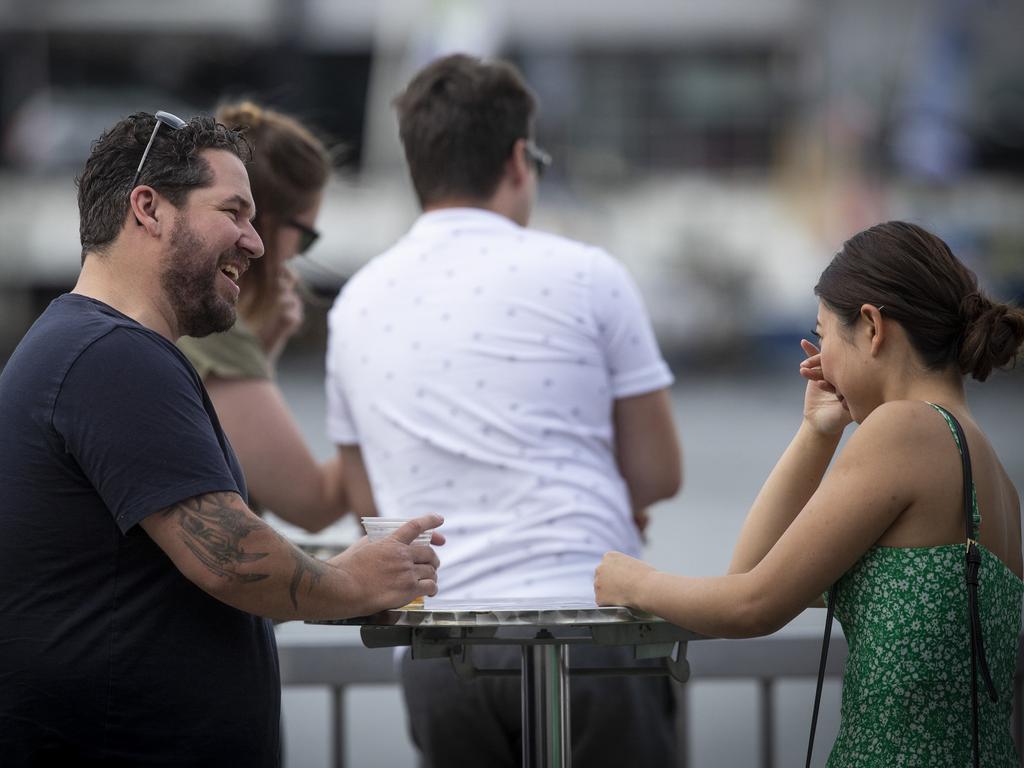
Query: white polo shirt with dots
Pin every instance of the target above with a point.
(476, 363)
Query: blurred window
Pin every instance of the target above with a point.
(649, 110)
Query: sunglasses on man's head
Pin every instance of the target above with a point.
(162, 118)
(541, 160)
(307, 235)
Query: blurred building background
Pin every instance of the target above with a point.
(722, 149)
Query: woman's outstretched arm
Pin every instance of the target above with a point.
(280, 471)
(872, 482)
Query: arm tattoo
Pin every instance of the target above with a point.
(304, 564)
(213, 530)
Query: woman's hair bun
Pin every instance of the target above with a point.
(242, 114)
(993, 335)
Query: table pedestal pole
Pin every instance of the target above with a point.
(545, 694)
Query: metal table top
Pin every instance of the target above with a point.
(517, 621)
(506, 612)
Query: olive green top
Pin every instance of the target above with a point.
(906, 685)
(234, 354)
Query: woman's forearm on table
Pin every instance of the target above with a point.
(718, 606)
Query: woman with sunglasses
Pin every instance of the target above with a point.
(288, 172)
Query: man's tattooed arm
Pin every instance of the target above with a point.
(219, 545)
(215, 534)
(304, 564)
(213, 530)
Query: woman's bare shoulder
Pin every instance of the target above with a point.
(909, 424)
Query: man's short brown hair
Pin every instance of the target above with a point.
(458, 119)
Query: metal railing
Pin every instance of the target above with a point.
(765, 660)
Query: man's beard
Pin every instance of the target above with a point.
(190, 284)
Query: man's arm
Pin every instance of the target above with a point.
(647, 449)
(357, 482)
(223, 548)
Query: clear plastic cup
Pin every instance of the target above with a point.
(378, 528)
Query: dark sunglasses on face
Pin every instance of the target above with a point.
(307, 235)
(162, 118)
(541, 160)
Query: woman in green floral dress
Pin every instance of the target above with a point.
(900, 322)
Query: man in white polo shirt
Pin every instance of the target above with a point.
(509, 380)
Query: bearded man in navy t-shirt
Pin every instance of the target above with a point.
(136, 586)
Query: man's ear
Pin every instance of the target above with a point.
(517, 167)
(874, 326)
(148, 208)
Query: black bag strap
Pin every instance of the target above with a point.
(971, 571)
(830, 614)
(973, 567)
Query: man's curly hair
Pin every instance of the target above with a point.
(173, 168)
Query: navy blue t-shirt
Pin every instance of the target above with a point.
(108, 655)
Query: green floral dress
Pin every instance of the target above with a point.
(906, 686)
